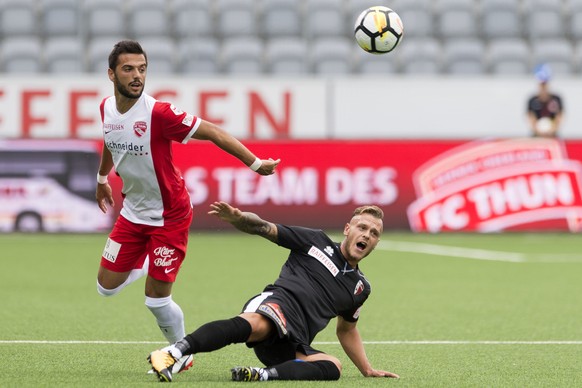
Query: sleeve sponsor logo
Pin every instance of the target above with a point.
(176, 111)
(498, 185)
(323, 259)
(188, 120)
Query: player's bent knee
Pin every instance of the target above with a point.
(106, 291)
(330, 369)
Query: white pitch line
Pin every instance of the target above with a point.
(450, 251)
(422, 342)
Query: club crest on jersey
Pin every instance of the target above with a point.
(140, 128)
(359, 288)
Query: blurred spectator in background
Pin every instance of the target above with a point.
(544, 109)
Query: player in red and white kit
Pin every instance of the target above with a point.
(150, 235)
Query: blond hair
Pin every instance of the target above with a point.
(373, 210)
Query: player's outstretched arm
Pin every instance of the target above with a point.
(349, 337)
(244, 221)
(228, 143)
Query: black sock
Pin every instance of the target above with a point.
(215, 335)
(304, 370)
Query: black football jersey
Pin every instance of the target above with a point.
(319, 278)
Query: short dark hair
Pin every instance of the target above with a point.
(373, 210)
(125, 47)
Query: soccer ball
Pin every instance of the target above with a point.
(378, 30)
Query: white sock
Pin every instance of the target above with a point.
(169, 316)
(173, 350)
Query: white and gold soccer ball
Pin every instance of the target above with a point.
(378, 30)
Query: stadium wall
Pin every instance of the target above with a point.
(302, 108)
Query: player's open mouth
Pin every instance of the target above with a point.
(361, 245)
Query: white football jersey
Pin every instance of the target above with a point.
(140, 142)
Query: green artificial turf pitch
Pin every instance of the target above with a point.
(448, 310)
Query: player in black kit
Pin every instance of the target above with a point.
(319, 281)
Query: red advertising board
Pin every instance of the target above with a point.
(423, 185)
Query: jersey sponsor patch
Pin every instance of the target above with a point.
(323, 259)
(111, 250)
(176, 111)
(188, 120)
(275, 313)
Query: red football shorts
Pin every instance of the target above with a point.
(129, 244)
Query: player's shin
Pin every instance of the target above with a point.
(216, 335)
(169, 316)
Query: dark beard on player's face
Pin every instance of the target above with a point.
(126, 93)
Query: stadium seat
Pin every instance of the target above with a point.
(324, 19)
(64, 55)
(147, 18)
(371, 64)
(235, 18)
(456, 19)
(464, 56)
(242, 56)
(501, 19)
(60, 17)
(286, 55)
(355, 7)
(557, 53)
(21, 55)
(544, 19)
(162, 54)
(420, 56)
(577, 59)
(98, 50)
(18, 17)
(104, 18)
(280, 18)
(417, 17)
(508, 57)
(575, 20)
(198, 56)
(331, 56)
(192, 18)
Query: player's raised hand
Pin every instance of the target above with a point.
(224, 211)
(268, 166)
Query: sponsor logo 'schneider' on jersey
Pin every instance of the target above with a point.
(273, 311)
(323, 259)
(125, 146)
(164, 257)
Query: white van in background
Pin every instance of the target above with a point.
(49, 185)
